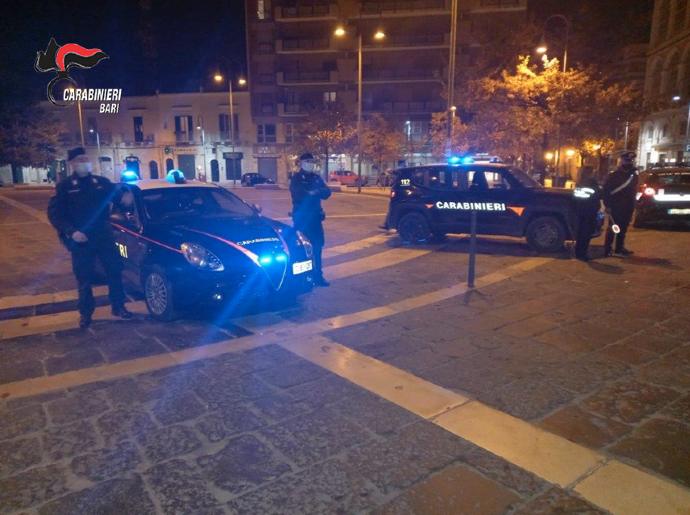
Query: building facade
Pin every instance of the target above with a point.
(297, 62)
(154, 134)
(664, 134)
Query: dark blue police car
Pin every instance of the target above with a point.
(187, 243)
(432, 200)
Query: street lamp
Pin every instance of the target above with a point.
(542, 49)
(81, 119)
(98, 146)
(379, 35)
(203, 146)
(240, 82)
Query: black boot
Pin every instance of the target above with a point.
(84, 321)
(625, 252)
(321, 281)
(122, 312)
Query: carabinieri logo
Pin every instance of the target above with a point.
(59, 59)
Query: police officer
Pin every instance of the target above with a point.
(308, 190)
(620, 189)
(80, 212)
(587, 205)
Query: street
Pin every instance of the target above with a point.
(555, 386)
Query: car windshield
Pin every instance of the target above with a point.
(166, 203)
(524, 179)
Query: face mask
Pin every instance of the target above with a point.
(82, 169)
(308, 167)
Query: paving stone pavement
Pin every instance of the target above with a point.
(172, 447)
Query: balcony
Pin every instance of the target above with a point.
(316, 12)
(394, 75)
(434, 106)
(302, 46)
(306, 78)
(290, 110)
(184, 138)
(399, 8)
(411, 42)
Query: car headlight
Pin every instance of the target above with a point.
(303, 241)
(199, 257)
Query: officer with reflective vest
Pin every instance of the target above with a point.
(587, 205)
(308, 189)
(80, 211)
(620, 190)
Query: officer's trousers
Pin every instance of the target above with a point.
(622, 219)
(84, 257)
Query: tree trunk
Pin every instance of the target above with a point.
(17, 175)
(325, 167)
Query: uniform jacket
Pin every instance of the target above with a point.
(620, 189)
(82, 204)
(308, 190)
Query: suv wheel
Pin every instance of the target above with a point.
(158, 293)
(546, 234)
(414, 228)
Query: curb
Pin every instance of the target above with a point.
(353, 191)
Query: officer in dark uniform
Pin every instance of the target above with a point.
(308, 190)
(587, 205)
(620, 189)
(80, 212)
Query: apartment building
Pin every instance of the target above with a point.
(664, 134)
(297, 62)
(154, 134)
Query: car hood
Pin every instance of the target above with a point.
(256, 234)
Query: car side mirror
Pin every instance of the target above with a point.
(258, 208)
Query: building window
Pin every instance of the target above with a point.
(225, 129)
(329, 97)
(138, 129)
(679, 15)
(682, 127)
(266, 133)
(184, 129)
(263, 9)
(664, 130)
(289, 133)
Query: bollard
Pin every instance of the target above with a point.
(473, 249)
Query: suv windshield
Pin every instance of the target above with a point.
(164, 203)
(524, 179)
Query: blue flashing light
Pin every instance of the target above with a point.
(129, 176)
(265, 260)
(454, 160)
(175, 176)
(281, 258)
(460, 160)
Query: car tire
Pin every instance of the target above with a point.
(414, 228)
(546, 234)
(158, 293)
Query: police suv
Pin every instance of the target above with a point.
(430, 201)
(187, 243)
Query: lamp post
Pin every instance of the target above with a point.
(203, 146)
(241, 81)
(378, 36)
(81, 119)
(98, 146)
(542, 49)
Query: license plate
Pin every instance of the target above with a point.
(301, 267)
(679, 211)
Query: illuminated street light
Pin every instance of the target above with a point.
(570, 152)
(379, 35)
(218, 77)
(549, 156)
(676, 98)
(542, 48)
(241, 81)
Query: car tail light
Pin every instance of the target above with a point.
(392, 193)
(649, 191)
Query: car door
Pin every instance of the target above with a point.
(128, 230)
(447, 193)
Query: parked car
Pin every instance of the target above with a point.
(664, 195)
(253, 178)
(429, 201)
(347, 178)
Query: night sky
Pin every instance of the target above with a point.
(170, 45)
(174, 45)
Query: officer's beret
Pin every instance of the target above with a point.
(306, 156)
(74, 152)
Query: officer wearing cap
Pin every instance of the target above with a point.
(80, 211)
(308, 189)
(620, 189)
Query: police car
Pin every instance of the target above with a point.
(664, 195)
(430, 201)
(187, 243)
